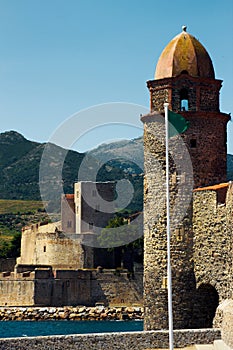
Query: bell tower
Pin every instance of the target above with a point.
(184, 78)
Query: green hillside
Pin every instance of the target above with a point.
(20, 166)
(20, 163)
(14, 214)
(20, 206)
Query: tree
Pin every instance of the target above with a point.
(122, 239)
(10, 249)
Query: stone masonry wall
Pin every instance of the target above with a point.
(117, 288)
(155, 237)
(69, 287)
(203, 94)
(212, 224)
(46, 245)
(16, 291)
(207, 125)
(213, 241)
(94, 203)
(113, 341)
(227, 324)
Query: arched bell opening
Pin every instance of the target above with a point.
(184, 100)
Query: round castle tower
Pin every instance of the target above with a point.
(185, 79)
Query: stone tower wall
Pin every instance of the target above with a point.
(45, 245)
(68, 213)
(207, 125)
(207, 128)
(202, 93)
(155, 237)
(93, 201)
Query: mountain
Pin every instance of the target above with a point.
(20, 161)
(133, 149)
(126, 153)
(20, 169)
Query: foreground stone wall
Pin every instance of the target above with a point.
(113, 341)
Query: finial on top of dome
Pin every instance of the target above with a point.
(184, 28)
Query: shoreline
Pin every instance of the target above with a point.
(71, 313)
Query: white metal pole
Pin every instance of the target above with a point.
(169, 274)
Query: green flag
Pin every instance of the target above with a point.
(179, 123)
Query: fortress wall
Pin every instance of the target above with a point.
(17, 291)
(113, 289)
(69, 287)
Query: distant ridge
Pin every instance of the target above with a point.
(19, 166)
(20, 161)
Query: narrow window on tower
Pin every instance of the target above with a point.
(193, 143)
(184, 101)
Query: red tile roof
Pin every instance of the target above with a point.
(69, 196)
(213, 188)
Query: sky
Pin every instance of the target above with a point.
(60, 57)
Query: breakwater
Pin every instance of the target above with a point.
(81, 313)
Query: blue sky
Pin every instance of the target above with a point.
(58, 57)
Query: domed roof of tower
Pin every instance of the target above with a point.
(184, 54)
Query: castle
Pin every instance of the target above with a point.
(60, 262)
(201, 241)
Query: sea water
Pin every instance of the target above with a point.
(9, 329)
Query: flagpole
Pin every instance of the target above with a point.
(169, 274)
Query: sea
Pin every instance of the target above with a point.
(12, 329)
